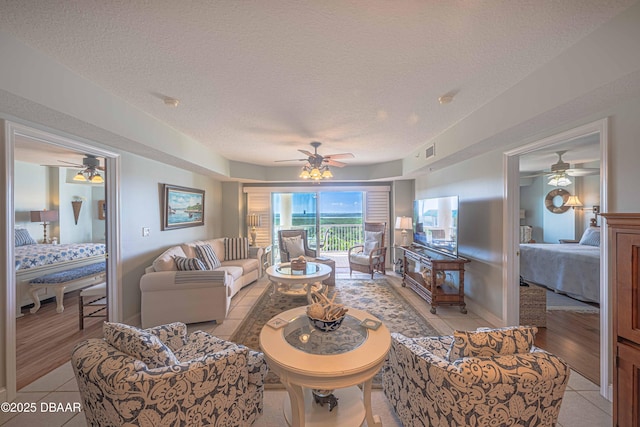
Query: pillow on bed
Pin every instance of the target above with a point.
(591, 237)
(23, 237)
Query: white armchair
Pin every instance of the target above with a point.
(161, 376)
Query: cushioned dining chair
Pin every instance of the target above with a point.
(370, 256)
(292, 244)
(486, 377)
(162, 376)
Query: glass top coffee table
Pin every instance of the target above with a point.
(306, 359)
(298, 282)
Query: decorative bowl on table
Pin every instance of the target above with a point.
(324, 314)
(298, 264)
(326, 325)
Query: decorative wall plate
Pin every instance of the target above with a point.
(551, 204)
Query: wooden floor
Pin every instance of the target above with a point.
(44, 340)
(575, 337)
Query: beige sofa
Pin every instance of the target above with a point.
(169, 295)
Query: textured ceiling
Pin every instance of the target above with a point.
(258, 80)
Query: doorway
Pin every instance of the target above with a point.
(512, 233)
(53, 196)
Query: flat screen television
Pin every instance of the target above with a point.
(435, 224)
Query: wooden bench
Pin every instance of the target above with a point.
(91, 274)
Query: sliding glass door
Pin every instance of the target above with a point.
(333, 220)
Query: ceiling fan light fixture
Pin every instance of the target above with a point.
(559, 180)
(327, 174)
(305, 173)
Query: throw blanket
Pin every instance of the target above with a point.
(572, 269)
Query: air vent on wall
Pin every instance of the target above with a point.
(430, 152)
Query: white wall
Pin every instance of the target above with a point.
(141, 198)
(532, 201)
(478, 183)
(31, 194)
(558, 226)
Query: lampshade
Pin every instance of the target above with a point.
(97, 179)
(44, 216)
(253, 220)
(573, 201)
(79, 177)
(404, 223)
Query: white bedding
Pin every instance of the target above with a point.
(31, 256)
(572, 269)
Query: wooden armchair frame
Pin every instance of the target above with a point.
(377, 257)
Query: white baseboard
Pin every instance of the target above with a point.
(484, 313)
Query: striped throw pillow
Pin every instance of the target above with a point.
(236, 248)
(188, 264)
(23, 237)
(206, 254)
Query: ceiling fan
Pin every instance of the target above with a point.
(317, 166)
(89, 162)
(562, 168)
(317, 160)
(90, 167)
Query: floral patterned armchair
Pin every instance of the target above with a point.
(161, 376)
(487, 377)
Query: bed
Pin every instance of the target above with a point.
(569, 268)
(36, 260)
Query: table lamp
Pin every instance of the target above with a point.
(44, 216)
(253, 221)
(404, 223)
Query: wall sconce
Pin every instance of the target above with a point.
(44, 216)
(77, 205)
(573, 202)
(253, 221)
(404, 223)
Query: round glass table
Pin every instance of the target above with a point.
(306, 359)
(298, 282)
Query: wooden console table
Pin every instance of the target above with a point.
(426, 272)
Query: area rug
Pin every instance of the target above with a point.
(559, 302)
(377, 297)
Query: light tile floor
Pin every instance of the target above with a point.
(582, 405)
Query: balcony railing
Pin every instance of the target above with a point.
(333, 238)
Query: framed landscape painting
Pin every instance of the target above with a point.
(182, 207)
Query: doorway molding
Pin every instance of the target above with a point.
(511, 253)
(13, 130)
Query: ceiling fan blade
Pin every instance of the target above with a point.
(291, 160)
(335, 163)
(306, 153)
(582, 171)
(535, 175)
(340, 156)
(75, 165)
